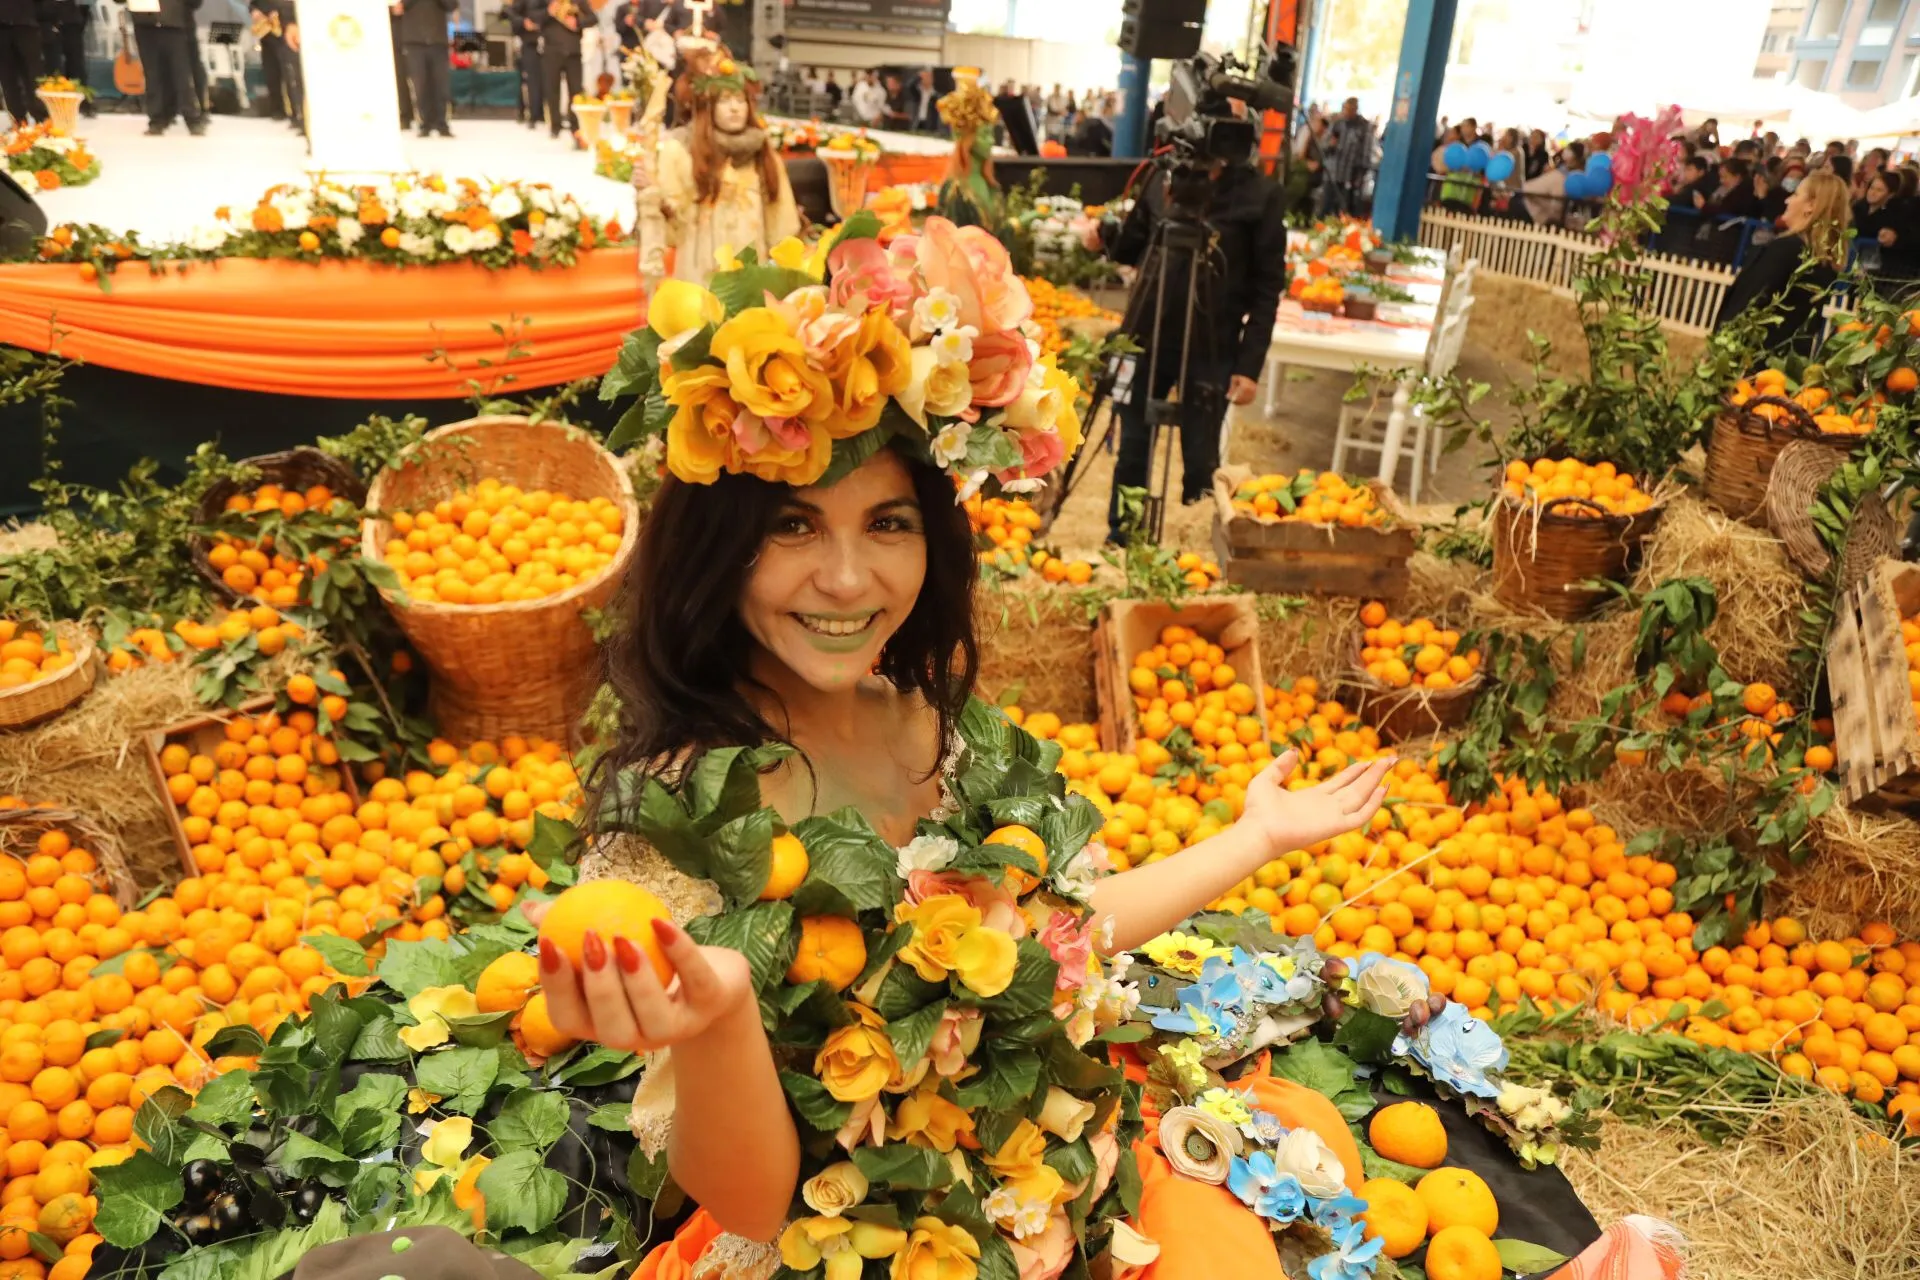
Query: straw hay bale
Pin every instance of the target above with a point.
(32, 536)
(1864, 867)
(1307, 636)
(1506, 311)
(1812, 1192)
(1036, 643)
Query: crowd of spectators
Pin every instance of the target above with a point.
(1075, 121)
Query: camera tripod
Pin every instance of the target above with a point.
(1179, 251)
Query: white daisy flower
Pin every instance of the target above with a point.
(953, 346)
(486, 238)
(950, 446)
(507, 204)
(927, 853)
(937, 311)
(415, 246)
(349, 230)
(458, 237)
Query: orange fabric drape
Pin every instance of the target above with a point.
(333, 329)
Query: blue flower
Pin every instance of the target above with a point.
(1459, 1051)
(1273, 1195)
(1339, 1214)
(1353, 1256)
(1207, 1007)
(1271, 979)
(1265, 1127)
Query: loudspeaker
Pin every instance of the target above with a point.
(1161, 28)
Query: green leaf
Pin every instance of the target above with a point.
(104, 1039)
(850, 453)
(461, 1076)
(1527, 1259)
(864, 224)
(763, 933)
(1006, 1079)
(646, 1175)
(904, 1167)
(371, 1184)
(1073, 1161)
(1125, 1033)
(344, 954)
(1378, 1166)
(913, 1034)
(1077, 1071)
(740, 856)
(996, 1258)
(597, 1066)
(157, 1123)
(1367, 1035)
(239, 1041)
(611, 1116)
(1032, 987)
(738, 290)
(227, 1099)
(902, 991)
(530, 1120)
(637, 368)
(374, 1091)
(522, 1192)
(412, 967)
(849, 867)
(1318, 1066)
(134, 1196)
(961, 1208)
(379, 1041)
(303, 1157)
(815, 1105)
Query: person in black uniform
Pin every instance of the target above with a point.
(560, 60)
(20, 60)
(423, 29)
(630, 24)
(526, 16)
(400, 69)
(167, 44)
(280, 59)
(260, 16)
(63, 42)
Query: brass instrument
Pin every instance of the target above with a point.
(567, 11)
(265, 24)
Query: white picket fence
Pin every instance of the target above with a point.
(1685, 293)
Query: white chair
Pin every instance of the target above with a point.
(1362, 430)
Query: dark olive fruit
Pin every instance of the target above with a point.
(307, 1202)
(1333, 970)
(1436, 1004)
(1331, 1006)
(229, 1216)
(199, 1229)
(201, 1180)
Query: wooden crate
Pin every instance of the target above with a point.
(1286, 557)
(1876, 733)
(200, 734)
(1125, 627)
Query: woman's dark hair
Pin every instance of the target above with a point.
(678, 662)
(1842, 167)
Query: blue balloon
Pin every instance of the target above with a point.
(1600, 162)
(1477, 156)
(1500, 168)
(1577, 186)
(1455, 155)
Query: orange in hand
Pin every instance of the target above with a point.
(613, 909)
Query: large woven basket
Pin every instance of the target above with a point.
(1542, 556)
(523, 666)
(1402, 715)
(47, 697)
(1798, 477)
(300, 468)
(21, 827)
(1744, 446)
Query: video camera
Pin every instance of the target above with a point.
(1200, 123)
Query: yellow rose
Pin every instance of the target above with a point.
(985, 961)
(936, 1251)
(700, 437)
(835, 1189)
(1042, 1185)
(939, 923)
(857, 1060)
(934, 388)
(875, 363)
(767, 368)
(1066, 422)
(680, 306)
(430, 1009)
(928, 1120)
(1064, 1115)
(840, 1242)
(1022, 1155)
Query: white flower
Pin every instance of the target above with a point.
(54, 143)
(1390, 988)
(1026, 484)
(342, 199)
(458, 237)
(927, 853)
(349, 230)
(507, 204)
(1021, 1218)
(415, 246)
(487, 237)
(953, 346)
(541, 199)
(207, 237)
(1303, 1154)
(416, 203)
(972, 485)
(556, 229)
(938, 311)
(950, 446)
(295, 210)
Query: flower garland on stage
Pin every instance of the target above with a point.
(417, 220)
(55, 160)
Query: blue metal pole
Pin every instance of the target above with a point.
(1130, 131)
(1407, 147)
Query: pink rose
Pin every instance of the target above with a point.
(754, 434)
(999, 368)
(1106, 1158)
(954, 1040)
(998, 909)
(1046, 1255)
(922, 885)
(866, 1124)
(863, 275)
(1040, 453)
(1069, 941)
(974, 266)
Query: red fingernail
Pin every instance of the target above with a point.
(626, 954)
(664, 930)
(549, 956)
(593, 951)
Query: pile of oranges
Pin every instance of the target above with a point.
(1318, 293)
(493, 544)
(1003, 530)
(1421, 652)
(1053, 304)
(1830, 415)
(25, 658)
(251, 567)
(1762, 711)
(1185, 686)
(272, 632)
(1603, 488)
(1324, 497)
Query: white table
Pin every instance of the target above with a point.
(1302, 338)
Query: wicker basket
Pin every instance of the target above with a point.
(1744, 446)
(47, 697)
(22, 827)
(1541, 556)
(1414, 712)
(1798, 476)
(524, 666)
(300, 468)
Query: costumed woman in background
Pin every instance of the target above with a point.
(969, 195)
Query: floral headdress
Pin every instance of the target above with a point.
(801, 369)
(724, 76)
(968, 108)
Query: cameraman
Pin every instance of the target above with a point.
(1246, 272)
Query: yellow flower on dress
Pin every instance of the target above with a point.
(448, 1141)
(679, 306)
(418, 1100)
(857, 1060)
(1022, 1154)
(987, 959)
(840, 1242)
(767, 368)
(937, 1251)
(431, 1009)
(1183, 952)
(925, 1119)
(948, 938)
(835, 1189)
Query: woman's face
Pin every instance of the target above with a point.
(731, 113)
(1877, 190)
(1799, 214)
(838, 574)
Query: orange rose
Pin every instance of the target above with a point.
(267, 218)
(373, 213)
(522, 243)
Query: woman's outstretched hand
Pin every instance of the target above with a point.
(617, 1000)
(1297, 819)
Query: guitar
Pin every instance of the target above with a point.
(129, 77)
